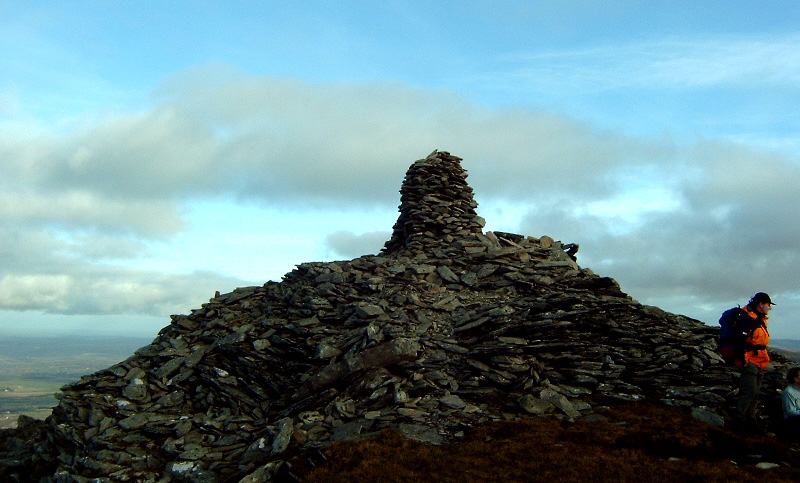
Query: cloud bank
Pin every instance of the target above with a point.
(688, 223)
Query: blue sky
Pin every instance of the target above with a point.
(154, 153)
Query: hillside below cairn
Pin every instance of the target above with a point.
(447, 328)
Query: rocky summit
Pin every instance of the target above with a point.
(445, 329)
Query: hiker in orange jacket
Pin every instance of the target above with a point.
(756, 357)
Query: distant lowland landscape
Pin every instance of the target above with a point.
(33, 369)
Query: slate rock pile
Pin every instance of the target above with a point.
(436, 205)
(447, 328)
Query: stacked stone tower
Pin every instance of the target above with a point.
(436, 205)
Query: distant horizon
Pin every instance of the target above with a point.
(4, 335)
(139, 326)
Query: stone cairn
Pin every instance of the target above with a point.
(436, 205)
(447, 328)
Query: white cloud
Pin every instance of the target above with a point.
(732, 233)
(287, 141)
(350, 245)
(658, 64)
(111, 290)
(24, 292)
(85, 210)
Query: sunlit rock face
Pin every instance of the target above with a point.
(447, 328)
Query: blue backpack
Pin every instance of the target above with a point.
(735, 326)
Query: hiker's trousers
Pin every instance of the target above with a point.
(749, 386)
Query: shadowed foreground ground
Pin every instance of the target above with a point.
(636, 443)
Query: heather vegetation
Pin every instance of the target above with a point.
(636, 442)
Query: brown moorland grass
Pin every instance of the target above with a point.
(639, 442)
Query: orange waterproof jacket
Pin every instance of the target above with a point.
(759, 337)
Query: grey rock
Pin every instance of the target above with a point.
(447, 274)
(368, 311)
(284, 436)
(327, 351)
(559, 401)
(421, 433)
(453, 401)
(169, 367)
(136, 389)
(263, 474)
(709, 417)
(535, 405)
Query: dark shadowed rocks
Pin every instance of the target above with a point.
(448, 327)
